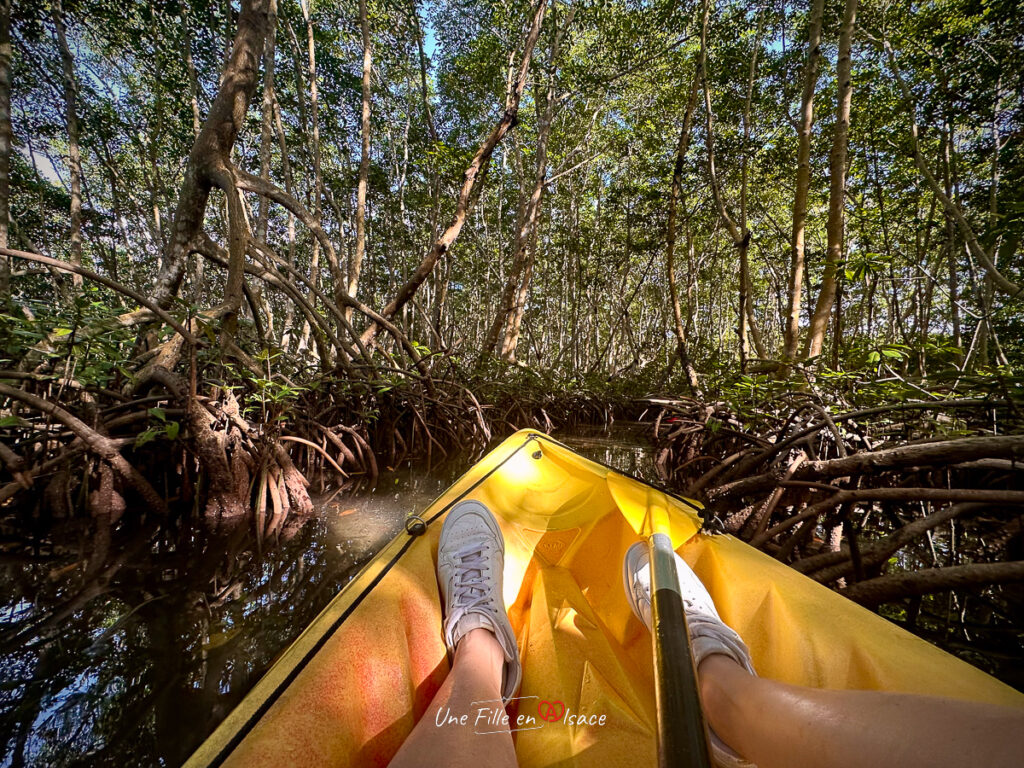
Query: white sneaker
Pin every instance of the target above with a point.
(708, 633)
(470, 559)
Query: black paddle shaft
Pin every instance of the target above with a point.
(682, 732)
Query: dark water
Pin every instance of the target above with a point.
(136, 661)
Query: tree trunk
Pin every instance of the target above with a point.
(509, 293)
(950, 206)
(193, 78)
(951, 244)
(740, 238)
(364, 161)
(212, 148)
(74, 153)
(515, 322)
(682, 348)
(440, 280)
(6, 140)
(837, 184)
(267, 121)
(791, 341)
(746, 289)
(526, 238)
(424, 91)
(469, 179)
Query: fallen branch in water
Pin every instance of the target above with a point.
(887, 588)
(891, 494)
(837, 497)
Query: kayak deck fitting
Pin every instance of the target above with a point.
(350, 689)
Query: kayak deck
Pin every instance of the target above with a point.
(353, 685)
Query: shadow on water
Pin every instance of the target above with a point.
(134, 660)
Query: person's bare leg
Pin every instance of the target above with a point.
(776, 725)
(474, 683)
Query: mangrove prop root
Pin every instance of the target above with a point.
(887, 588)
(94, 441)
(837, 497)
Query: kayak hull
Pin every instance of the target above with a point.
(353, 685)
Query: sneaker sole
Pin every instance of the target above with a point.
(633, 556)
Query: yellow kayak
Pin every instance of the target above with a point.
(349, 690)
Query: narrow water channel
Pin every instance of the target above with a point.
(136, 661)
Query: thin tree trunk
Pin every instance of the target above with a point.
(424, 91)
(803, 183)
(469, 179)
(950, 206)
(314, 114)
(74, 153)
(950, 245)
(6, 140)
(266, 125)
(193, 87)
(747, 290)
(837, 184)
(682, 349)
(440, 280)
(508, 347)
(988, 284)
(527, 238)
(509, 294)
(364, 161)
(193, 78)
(740, 239)
(289, 186)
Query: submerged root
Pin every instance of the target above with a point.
(839, 496)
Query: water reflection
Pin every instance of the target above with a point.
(623, 445)
(134, 657)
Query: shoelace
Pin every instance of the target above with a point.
(468, 587)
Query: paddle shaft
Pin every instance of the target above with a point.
(682, 732)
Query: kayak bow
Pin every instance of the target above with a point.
(355, 682)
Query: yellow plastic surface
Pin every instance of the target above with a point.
(567, 523)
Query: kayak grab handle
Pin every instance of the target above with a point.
(682, 731)
(415, 525)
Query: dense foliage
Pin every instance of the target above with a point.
(912, 301)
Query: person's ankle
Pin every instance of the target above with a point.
(723, 683)
(718, 663)
(481, 637)
(717, 673)
(480, 648)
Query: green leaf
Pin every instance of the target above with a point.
(145, 437)
(172, 429)
(10, 421)
(873, 357)
(158, 413)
